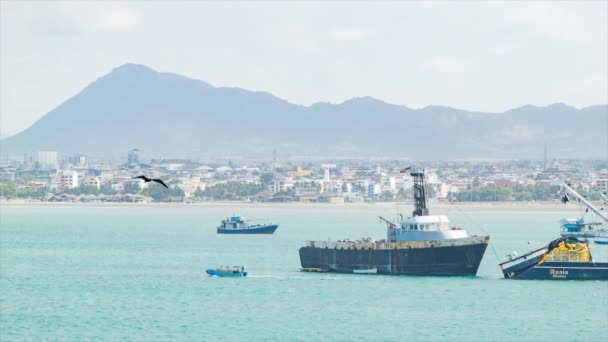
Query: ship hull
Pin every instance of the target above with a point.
(561, 271)
(220, 273)
(256, 230)
(462, 260)
(531, 265)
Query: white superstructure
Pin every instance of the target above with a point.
(429, 227)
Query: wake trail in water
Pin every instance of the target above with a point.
(270, 276)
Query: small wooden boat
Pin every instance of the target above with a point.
(225, 271)
(313, 269)
(365, 270)
(601, 241)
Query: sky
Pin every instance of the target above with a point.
(480, 56)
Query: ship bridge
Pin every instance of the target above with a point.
(422, 226)
(430, 227)
(430, 222)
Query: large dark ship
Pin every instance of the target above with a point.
(422, 244)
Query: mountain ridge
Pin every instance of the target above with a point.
(169, 114)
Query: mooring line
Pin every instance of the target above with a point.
(480, 227)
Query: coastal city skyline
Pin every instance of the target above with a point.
(50, 176)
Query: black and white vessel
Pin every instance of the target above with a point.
(422, 244)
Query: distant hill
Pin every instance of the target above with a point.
(170, 115)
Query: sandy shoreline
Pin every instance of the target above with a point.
(492, 206)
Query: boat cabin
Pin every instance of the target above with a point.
(576, 227)
(429, 227)
(572, 225)
(234, 222)
(231, 269)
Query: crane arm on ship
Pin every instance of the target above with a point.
(604, 197)
(569, 190)
(389, 223)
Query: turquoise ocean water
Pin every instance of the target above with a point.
(70, 273)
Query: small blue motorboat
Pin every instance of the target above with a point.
(239, 225)
(226, 271)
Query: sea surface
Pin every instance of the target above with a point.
(136, 273)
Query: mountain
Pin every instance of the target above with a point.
(169, 115)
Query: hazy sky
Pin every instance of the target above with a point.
(477, 56)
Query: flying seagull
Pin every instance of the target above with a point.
(147, 180)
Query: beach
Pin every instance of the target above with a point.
(436, 206)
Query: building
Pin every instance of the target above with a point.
(69, 179)
(277, 186)
(134, 156)
(441, 190)
(55, 182)
(306, 191)
(461, 185)
(28, 161)
(189, 185)
(118, 186)
(348, 175)
(223, 170)
(92, 181)
(336, 199)
(47, 160)
(392, 184)
(601, 184)
(299, 172)
(373, 190)
(326, 174)
(79, 161)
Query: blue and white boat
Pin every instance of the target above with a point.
(239, 225)
(561, 259)
(226, 271)
(577, 227)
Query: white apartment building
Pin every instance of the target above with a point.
(601, 184)
(189, 185)
(69, 179)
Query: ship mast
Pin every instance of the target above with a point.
(419, 194)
